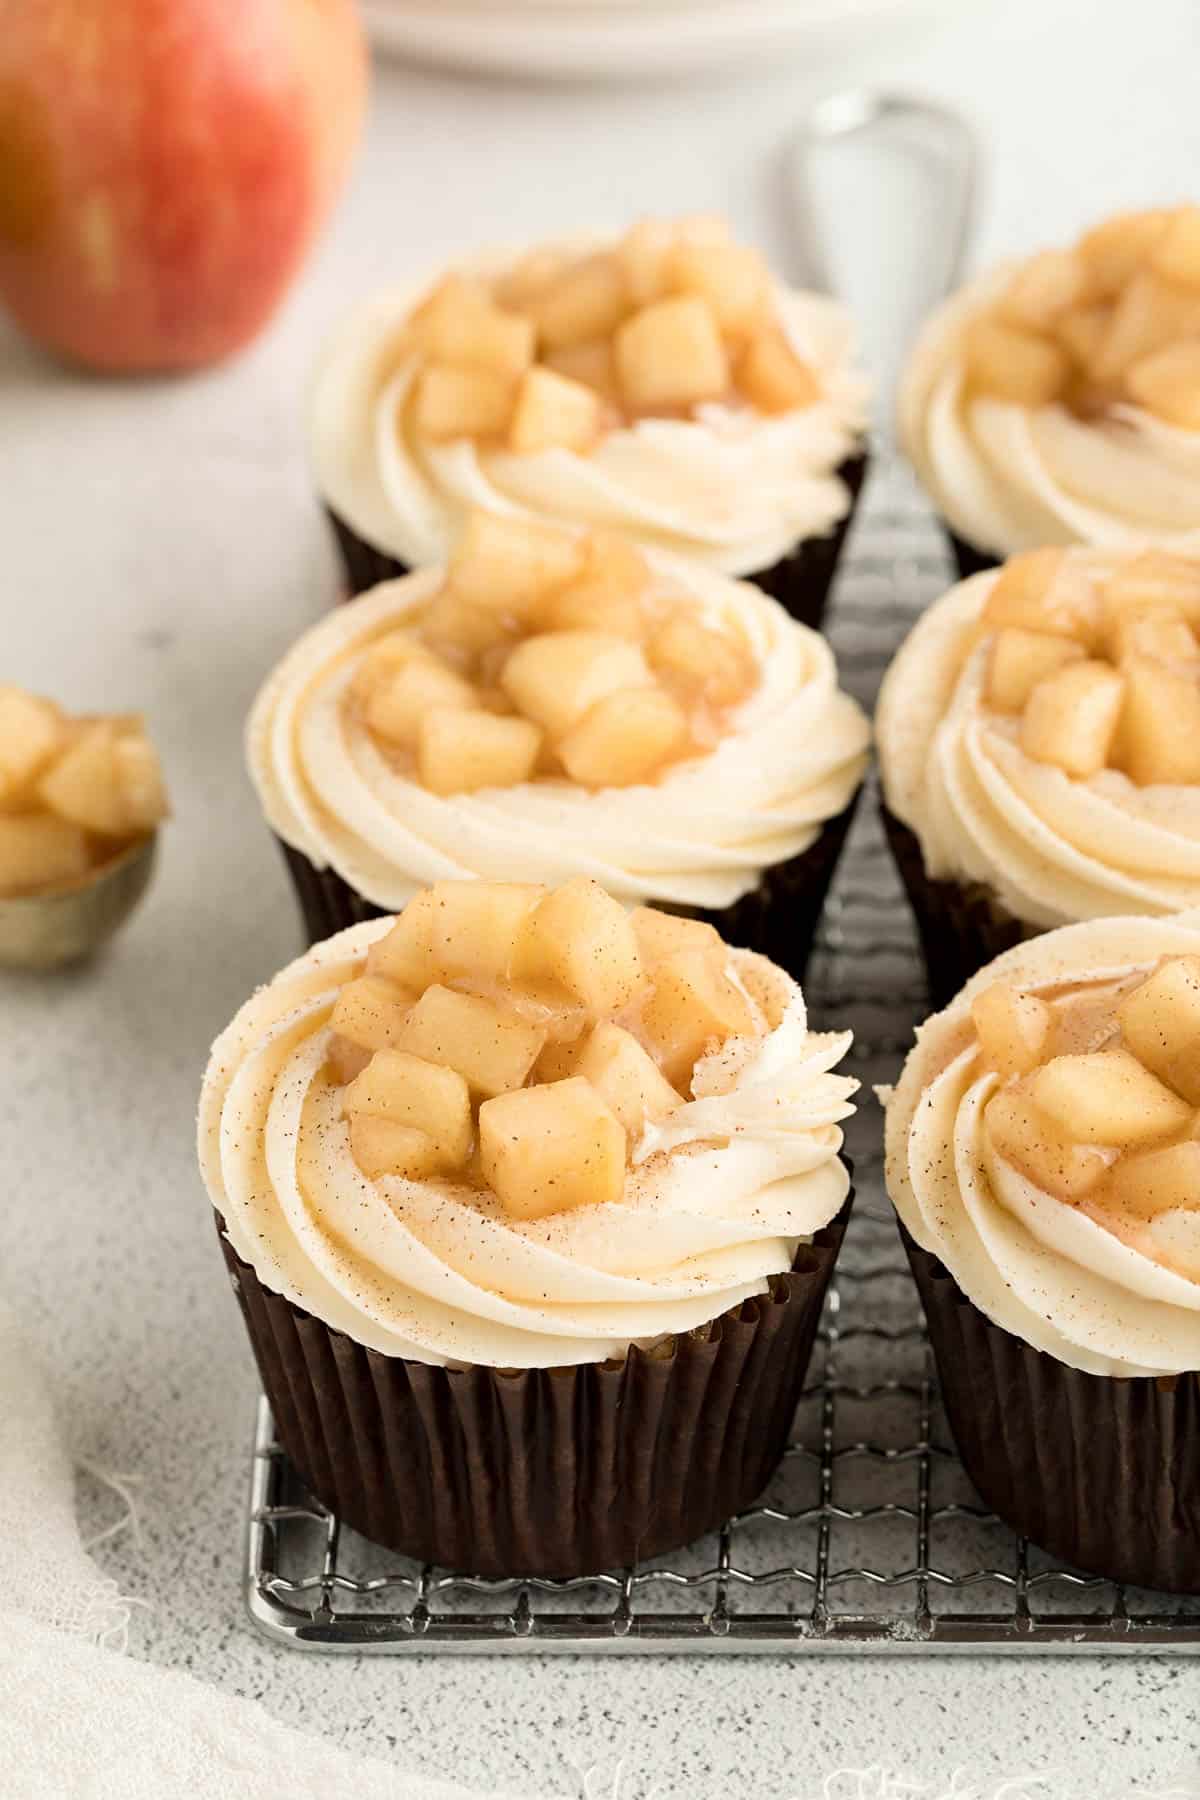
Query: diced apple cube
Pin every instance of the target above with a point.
(370, 1012)
(1160, 728)
(31, 730)
(550, 1149)
(1155, 636)
(460, 324)
(140, 782)
(1083, 330)
(405, 956)
(512, 566)
(83, 785)
(490, 1046)
(1157, 1181)
(1160, 1023)
(579, 938)
(398, 703)
(645, 256)
(671, 355)
(1034, 1144)
(476, 926)
(1072, 717)
(346, 1059)
(1013, 1029)
(1043, 289)
(692, 1003)
(554, 677)
(462, 630)
(1167, 384)
(1107, 1098)
(452, 401)
(529, 276)
(1020, 659)
(592, 364)
(586, 301)
(773, 378)
(382, 1146)
(1013, 365)
(1176, 253)
(1149, 315)
(662, 934)
(708, 663)
(732, 278)
(553, 413)
(625, 738)
(461, 750)
(626, 1078)
(383, 659)
(605, 596)
(1044, 590)
(39, 852)
(410, 1091)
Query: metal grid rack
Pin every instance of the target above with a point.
(870, 1537)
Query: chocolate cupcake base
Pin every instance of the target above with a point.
(778, 918)
(967, 559)
(553, 1472)
(1102, 1472)
(962, 925)
(800, 581)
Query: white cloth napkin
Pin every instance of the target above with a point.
(81, 1721)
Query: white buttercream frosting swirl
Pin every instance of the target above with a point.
(1008, 477)
(717, 1199)
(732, 488)
(1052, 848)
(702, 835)
(1043, 1270)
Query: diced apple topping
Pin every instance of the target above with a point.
(733, 280)
(586, 1017)
(1115, 320)
(1071, 718)
(553, 413)
(671, 355)
(1114, 1128)
(1048, 615)
(551, 1149)
(1013, 1029)
(452, 402)
(74, 793)
(548, 654)
(774, 378)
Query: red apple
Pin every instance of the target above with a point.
(164, 165)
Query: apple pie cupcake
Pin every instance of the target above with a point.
(664, 385)
(1039, 749)
(80, 803)
(530, 1203)
(557, 703)
(1043, 1152)
(1057, 400)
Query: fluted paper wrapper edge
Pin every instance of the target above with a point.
(554, 1472)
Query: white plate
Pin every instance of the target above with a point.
(574, 39)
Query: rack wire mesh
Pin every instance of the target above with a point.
(870, 1538)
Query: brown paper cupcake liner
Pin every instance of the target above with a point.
(967, 559)
(554, 1472)
(1102, 1472)
(800, 581)
(962, 925)
(778, 918)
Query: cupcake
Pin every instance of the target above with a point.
(1057, 400)
(1039, 748)
(1043, 1153)
(80, 801)
(662, 384)
(530, 1203)
(557, 704)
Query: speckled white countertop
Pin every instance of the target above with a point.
(161, 548)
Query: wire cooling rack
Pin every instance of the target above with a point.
(870, 1538)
